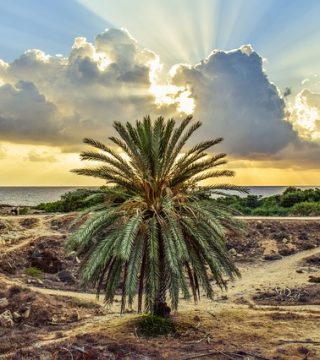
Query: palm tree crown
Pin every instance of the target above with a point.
(157, 234)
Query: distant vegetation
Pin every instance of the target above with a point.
(79, 199)
(292, 202)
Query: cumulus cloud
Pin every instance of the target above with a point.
(58, 100)
(25, 114)
(236, 100)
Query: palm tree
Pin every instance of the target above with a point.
(158, 233)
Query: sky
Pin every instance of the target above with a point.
(249, 70)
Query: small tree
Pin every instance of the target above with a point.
(158, 233)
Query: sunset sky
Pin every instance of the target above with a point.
(248, 69)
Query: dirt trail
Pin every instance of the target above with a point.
(42, 228)
(277, 273)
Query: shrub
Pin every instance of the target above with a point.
(72, 201)
(24, 211)
(34, 272)
(270, 211)
(152, 326)
(291, 198)
(307, 208)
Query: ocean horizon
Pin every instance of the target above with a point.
(34, 195)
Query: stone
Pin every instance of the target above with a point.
(45, 260)
(233, 252)
(66, 277)
(287, 251)
(6, 319)
(314, 279)
(75, 316)
(272, 257)
(4, 302)
(25, 313)
(16, 316)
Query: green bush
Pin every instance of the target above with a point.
(73, 200)
(291, 198)
(24, 211)
(306, 209)
(34, 272)
(152, 326)
(270, 211)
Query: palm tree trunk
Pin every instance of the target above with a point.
(161, 308)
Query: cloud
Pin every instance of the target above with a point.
(41, 156)
(58, 100)
(235, 100)
(25, 114)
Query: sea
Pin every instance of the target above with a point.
(34, 195)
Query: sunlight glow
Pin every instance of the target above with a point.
(169, 94)
(305, 118)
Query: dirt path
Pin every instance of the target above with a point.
(22, 236)
(277, 273)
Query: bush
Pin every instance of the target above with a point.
(291, 198)
(270, 211)
(34, 272)
(72, 201)
(24, 211)
(152, 326)
(306, 209)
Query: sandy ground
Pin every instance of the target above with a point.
(243, 316)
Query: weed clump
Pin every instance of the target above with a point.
(153, 326)
(34, 272)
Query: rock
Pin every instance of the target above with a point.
(313, 260)
(233, 252)
(45, 260)
(35, 281)
(6, 319)
(66, 277)
(307, 246)
(4, 302)
(286, 251)
(299, 271)
(25, 311)
(75, 316)
(284, 240)
(314, 279)
(272, 257)
(16, 316)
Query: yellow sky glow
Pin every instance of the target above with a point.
(33, 165)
